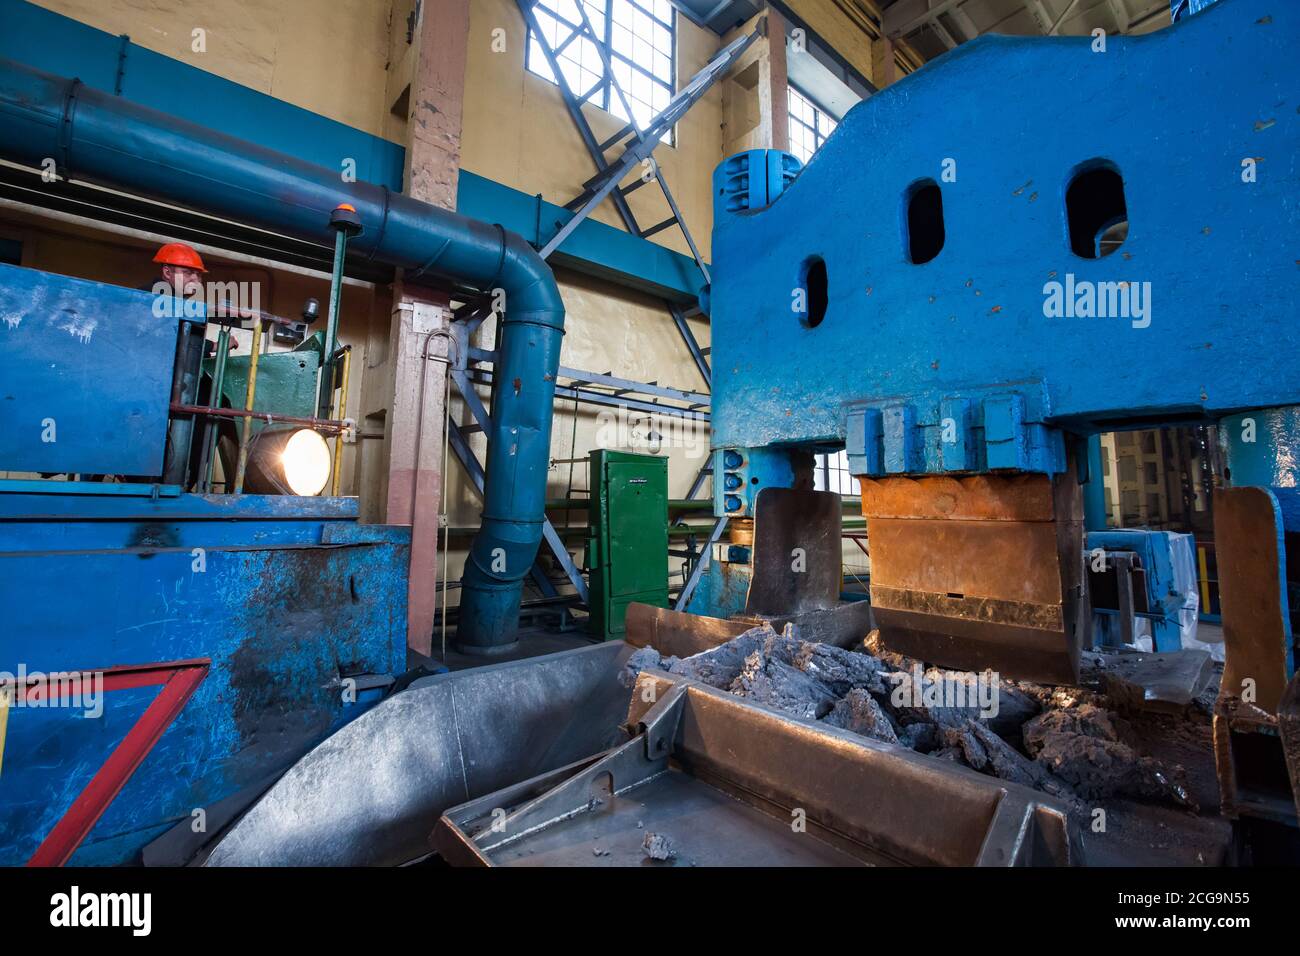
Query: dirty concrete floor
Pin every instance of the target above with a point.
(1150, 834)
(533, 642)
(1147, 834)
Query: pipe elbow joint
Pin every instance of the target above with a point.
(532, 294)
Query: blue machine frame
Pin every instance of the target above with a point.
(301, 609)
(65, 341)
(964, 337)
(994, 356)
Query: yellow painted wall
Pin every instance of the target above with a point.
(327, 56)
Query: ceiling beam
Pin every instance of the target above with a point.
(942, 33)
(1061, 19)
(961, 19)
(1119, 10)
(909, 15)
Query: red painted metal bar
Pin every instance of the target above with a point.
(271, 418)
(179, 680)
(857, 538)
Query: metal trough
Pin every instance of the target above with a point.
(731, 783)
(369, 795)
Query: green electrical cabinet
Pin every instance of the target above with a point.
(627, 551)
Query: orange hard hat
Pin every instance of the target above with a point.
(179, 254)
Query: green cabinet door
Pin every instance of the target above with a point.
(630, 525)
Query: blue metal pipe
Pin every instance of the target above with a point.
(101, 138)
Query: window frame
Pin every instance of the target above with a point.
(819, 113)
(603, 96)
(831, 473)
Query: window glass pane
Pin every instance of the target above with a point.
(640, 32)
(537, 60)
(809, 125)
(621, 40)
(663, 68)
(832, 474)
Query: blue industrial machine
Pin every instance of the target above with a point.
(290, 614)
(1025, 244)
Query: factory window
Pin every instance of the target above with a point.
(1096, 211)
(809, 125)
(925, 235)
(637, 37)
(811, 296)
(832, 474)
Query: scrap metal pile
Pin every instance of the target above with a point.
(1071, 743)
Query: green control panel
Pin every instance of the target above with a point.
(628, 549)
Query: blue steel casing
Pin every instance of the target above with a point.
(743, 472)
(753, 179)
(287, 596)
(965, 336)
(723, 589)
(1262, 448)
(86, 376)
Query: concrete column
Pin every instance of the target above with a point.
(883, 70)
(773, 89)
(754, 99)
(413, 425)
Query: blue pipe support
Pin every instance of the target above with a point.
(102, 138)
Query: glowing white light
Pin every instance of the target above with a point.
(306, 462)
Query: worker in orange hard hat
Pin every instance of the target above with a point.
(182, 269)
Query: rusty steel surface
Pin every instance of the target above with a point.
(982, 497)
(1248, 755)
(677, 633)
(980, 572)
(1256, 634)
(798, 557)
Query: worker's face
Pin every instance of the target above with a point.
(184, 281)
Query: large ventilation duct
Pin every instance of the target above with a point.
(107, 140)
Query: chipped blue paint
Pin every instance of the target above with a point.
(286, 595)
(69, 399)
(964, 337)
(743, 473)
